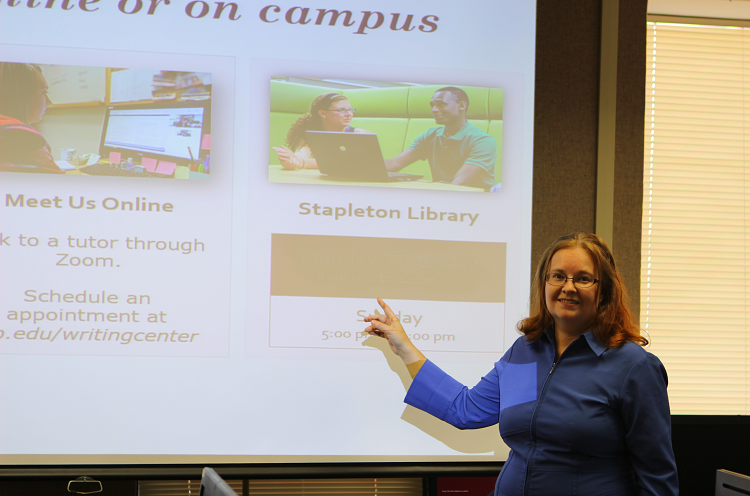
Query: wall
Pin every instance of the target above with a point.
(566, 117)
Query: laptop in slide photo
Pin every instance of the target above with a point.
(352, 157)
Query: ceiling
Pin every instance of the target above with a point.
(723, 9)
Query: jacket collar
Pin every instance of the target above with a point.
(597, 347)
(594, 343)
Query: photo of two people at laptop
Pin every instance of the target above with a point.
(454, 149)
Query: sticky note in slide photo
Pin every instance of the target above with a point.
(166, 168)
(149, 164)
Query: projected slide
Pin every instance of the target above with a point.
(172, 229)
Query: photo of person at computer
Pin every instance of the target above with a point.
(421, 136)
(328, 112)
(23, 103)
(105, 121)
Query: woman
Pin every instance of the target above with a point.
(23, 101)
(582, 406)
(328, 112)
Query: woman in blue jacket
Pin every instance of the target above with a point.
(581, 404)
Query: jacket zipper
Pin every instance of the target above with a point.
(533, 431)
(533, 419)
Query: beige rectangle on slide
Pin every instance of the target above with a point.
(405, 269)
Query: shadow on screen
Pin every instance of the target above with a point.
(484, 440)
(394, 362)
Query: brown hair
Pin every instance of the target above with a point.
(614, 323)
(18, 85)
(310, 121)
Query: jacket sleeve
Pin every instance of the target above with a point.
(648, 427)
(438, 394)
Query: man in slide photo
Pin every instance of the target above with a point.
(457, 152)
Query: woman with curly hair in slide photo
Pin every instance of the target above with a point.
(328, 112)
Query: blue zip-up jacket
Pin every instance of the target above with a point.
(596, 422)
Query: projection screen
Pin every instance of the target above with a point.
(164, 270)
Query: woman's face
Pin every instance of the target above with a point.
(333, 120)
(38, 102)
(573, 309)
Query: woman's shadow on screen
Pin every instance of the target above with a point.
(483, 440)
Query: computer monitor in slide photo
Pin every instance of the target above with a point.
(161, 131)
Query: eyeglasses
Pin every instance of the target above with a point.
(579, 282)
(342, 111)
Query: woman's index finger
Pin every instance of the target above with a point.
(388, 312)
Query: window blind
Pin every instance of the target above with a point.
(276, 487)
(695, 288)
